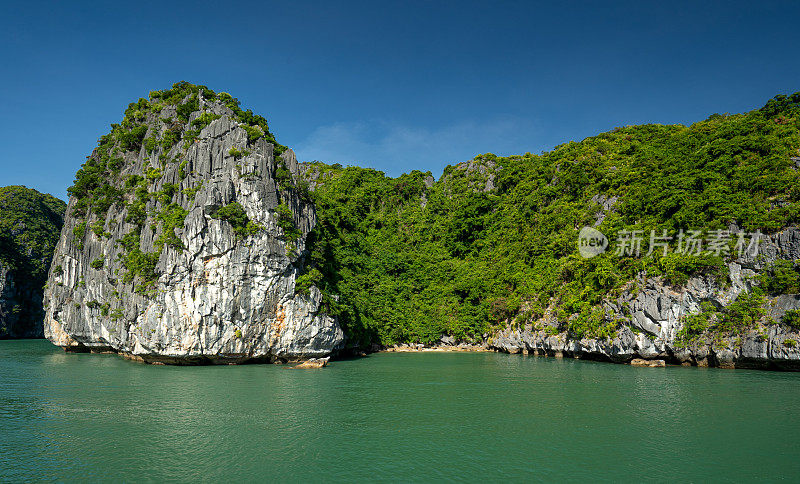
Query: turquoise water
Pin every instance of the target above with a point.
(414, 416)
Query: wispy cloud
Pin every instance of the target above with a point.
(396, 149)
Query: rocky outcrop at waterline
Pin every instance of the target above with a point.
(184, 241)
(29, 226)
(657, 320)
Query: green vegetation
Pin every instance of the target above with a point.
(185, 109)
(98, 228)
(677, 267)
(283, 176)
(742, 313)
(253, 132)
(235, 215)
(182, 169)
(311, 278)
(30, 225)
(131, 140)
(79, 232)
(739, 316)
(286, 222)
(782, 278)
(695, 325)
(150, 144)
(97, 185)
(105, 308)
(204, 120)
(237, 153)
(171, 218)
(153, 174)
(116, 314)
(141, 268)
(191, 193)
(102, 183)
(97, 263)
(410, 263)
(170, 139)
(792, 319)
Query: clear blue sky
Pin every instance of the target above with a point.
(392, 85)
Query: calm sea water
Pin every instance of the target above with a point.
(417, 416)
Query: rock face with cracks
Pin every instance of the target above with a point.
(196, 259)
(654, 313)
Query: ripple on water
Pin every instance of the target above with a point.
(396, 416)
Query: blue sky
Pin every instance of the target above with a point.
(392, 85)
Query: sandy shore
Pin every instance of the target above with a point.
(434, 349)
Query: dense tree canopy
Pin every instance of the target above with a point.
(30, 223)
(404, 262)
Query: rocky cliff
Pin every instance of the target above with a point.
(29, 226)
(183, 241)
(659, 321)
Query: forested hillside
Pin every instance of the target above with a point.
(495, 240)
(30, 223)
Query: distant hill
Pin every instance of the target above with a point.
(30, 224)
